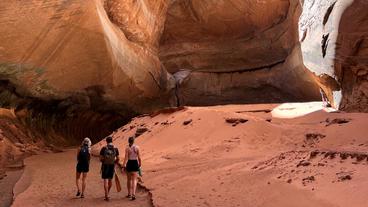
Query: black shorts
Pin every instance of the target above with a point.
(107, 171)
(82, 167)
(132, 166)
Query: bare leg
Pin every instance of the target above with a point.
(129, 183)
(110, 185)
(77, 177)
(134, 182)
(84, 183)
(106, 189)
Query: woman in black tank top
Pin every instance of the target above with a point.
(132, 163)
(82, 168)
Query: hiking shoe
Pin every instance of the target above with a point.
(78, 193)
(132, 198)
(82, 196)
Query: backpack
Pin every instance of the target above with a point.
(109, 155)
(84, 155)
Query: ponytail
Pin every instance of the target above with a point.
(131, 141)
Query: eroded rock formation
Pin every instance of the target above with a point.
(220, 43)
(54, 50)
(221, 51)
(72, 71)
(137, 56)
(333, 35)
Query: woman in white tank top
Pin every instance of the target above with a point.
(132, 163)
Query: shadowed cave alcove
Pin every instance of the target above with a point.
(62, 122)
(220, 53)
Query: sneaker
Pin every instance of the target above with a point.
(78, 193)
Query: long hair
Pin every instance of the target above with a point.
(87, 142)
(131, 141)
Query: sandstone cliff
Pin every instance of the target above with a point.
(137, 56)
(55, 50)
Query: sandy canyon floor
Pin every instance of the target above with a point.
(48, 180)
(237, 155)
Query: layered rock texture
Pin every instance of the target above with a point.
(137, 56)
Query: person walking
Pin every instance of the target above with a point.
(132, 163)
(109, 156)
(83, 158)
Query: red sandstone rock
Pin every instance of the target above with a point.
(144, 55)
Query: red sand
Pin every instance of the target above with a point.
(49, 180)
(209, 162)
(264, 161)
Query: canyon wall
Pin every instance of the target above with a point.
(68, 71)
(244, 53)
(131, 57)
(333, 36)
(58, 50)
(221, 52)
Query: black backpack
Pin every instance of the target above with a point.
(84, 155)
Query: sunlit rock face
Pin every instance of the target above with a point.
(71, 50)
(70, 72)
(333, 35)
(141, 21)
(141, 55)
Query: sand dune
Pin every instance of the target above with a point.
(236, 155)
(242, 156)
